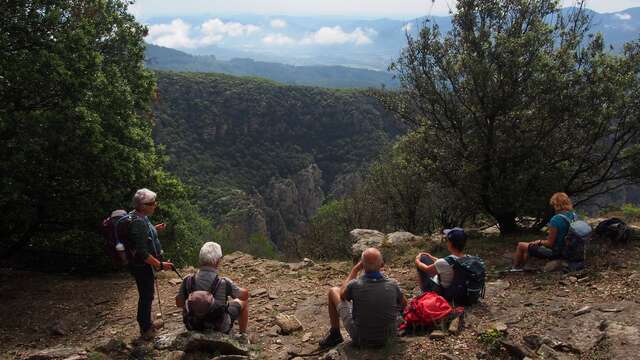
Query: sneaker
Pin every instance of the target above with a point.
(333, 338)
(242, 338)
(515, 270)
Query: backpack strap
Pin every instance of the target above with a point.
(190, 283)
(566, 218)
(450, 260)
(215, 285)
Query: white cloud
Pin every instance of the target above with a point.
(623, 16)
(173, 35)
(407, 27)
(277, 39)
(335, 35)
(179, 34)
(214, 27)
(278, 24)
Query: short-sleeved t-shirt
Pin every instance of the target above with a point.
(445, 272)
(563, 227)
(204, 280)
(376, 306)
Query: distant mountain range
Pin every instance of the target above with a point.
(370, 44)
(161, 58)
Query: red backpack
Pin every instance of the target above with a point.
(426, 310)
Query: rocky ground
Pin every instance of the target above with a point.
(592, 314)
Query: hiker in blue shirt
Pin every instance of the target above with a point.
(551, 247)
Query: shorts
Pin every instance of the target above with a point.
(233, 313)
(541, 252)
(233, 309)
(346, 316)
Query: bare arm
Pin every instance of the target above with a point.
(429, 269)
(179, 301)
(352, 275)
(551, 238)
(243, 294)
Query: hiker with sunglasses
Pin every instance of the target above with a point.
(147, 260)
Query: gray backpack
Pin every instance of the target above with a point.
(576, 240)
(201, 309)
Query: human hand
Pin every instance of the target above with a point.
(357, 267)
(166, 265)
(161, 226)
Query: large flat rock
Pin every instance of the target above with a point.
(208, 342)
(616, 321)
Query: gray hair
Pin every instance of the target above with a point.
(143, 196)
(371, 260)
(210, 254)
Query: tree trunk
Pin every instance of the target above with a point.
(507, 224)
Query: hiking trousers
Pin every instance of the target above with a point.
(145, 282)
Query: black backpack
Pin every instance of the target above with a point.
(201, 309)
(614, 230)
(115, 230)
(467, 286)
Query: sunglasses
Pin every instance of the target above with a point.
(151, 203)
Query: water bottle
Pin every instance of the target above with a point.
(121, 253)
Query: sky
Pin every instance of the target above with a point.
(400, 9)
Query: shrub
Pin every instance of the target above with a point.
(631, 212)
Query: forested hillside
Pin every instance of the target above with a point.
(264, 155)
(161, 58)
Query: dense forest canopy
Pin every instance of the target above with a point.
(75, 125)
(227, 130)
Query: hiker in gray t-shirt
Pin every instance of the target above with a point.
(369, 306)
(236, 309)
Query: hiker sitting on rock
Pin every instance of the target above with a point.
(144, 236)
(368, 306)
(551, 247)
(203, 296)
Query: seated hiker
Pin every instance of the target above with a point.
(551, 247)
(369, 306)
(459, 278)
(204, 296)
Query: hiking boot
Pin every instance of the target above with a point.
(149, 334)
(333, 338)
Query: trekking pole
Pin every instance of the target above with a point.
(159, 302)
(173, 267)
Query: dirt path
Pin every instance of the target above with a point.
(41, 310)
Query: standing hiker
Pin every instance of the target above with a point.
(147, 260)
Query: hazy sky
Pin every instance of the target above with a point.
(358, 8)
